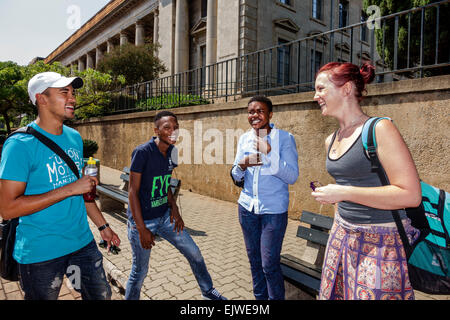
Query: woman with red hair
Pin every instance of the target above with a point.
(364, 258)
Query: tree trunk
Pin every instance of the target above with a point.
(6, 118)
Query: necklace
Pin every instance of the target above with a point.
(340, 132)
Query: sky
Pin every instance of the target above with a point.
(34, 28)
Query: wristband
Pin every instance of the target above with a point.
(103, 227)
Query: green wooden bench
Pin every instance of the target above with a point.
(302, 275)
(113, 197)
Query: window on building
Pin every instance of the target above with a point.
(283, 62)
(364, 30)
(288, 2)
(317, 9)
(316, 62)
(204, 8)
(343, 13)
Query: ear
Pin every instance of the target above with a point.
(156, 131)
(40, 99)
(347, 88)
(270, 115)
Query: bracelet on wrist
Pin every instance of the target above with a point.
(103, 227)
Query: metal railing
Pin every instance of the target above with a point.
(408, 44)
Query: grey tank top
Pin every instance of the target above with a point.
(353, 169)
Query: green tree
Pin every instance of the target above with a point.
(13, 94)
(94, 98)
(135, 63)
(392, 6)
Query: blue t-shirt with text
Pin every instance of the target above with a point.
(61, 228)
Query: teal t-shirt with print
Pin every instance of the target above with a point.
(61, 228)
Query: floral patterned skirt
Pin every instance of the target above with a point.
(366, 263)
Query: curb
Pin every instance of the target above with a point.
(115, 274)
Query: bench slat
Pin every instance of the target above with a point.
(318, 220)
(113, 188)
(301, 278)
(312, 235)
(297, 263)
(115, 194)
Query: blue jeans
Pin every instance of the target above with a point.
(263, 236)
(84, 268)
(141, 257)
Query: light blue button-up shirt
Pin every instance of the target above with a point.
(266, 187)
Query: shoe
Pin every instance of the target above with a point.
(213, 294)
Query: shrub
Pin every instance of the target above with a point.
(168, 101)
(90, 147)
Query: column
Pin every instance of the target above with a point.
(140, 34)
(81, 64)
(89, 61)
(211, 33)
(181, 37)
(98, 56)
(155, 26)
(211, 43)
(72, 68)
(123, 38)
(109, 46)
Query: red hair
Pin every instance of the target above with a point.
(341, 73)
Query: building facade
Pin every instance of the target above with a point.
(197, 33)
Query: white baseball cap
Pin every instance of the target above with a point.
(40, 82)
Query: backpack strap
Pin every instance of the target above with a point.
(51, 145)
(440, 212)
(370, 144)
(369, 141)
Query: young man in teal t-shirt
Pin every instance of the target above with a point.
(53, 236)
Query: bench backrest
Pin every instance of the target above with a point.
(175, 184)
(320, 225)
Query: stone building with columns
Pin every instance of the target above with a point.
(195, 33)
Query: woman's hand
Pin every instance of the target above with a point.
(330, 194)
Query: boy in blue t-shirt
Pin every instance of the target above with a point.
(53, 236)
(153, 210)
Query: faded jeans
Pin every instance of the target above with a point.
(141, 257)
(83, 268)
(263, 236)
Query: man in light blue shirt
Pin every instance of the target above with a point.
(267, 162)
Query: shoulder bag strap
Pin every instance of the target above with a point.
(51, 145)
(378, 168)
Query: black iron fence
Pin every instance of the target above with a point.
(408, 44)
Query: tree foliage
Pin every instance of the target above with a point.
(429, 41)
(135, 63)
(93, 99)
